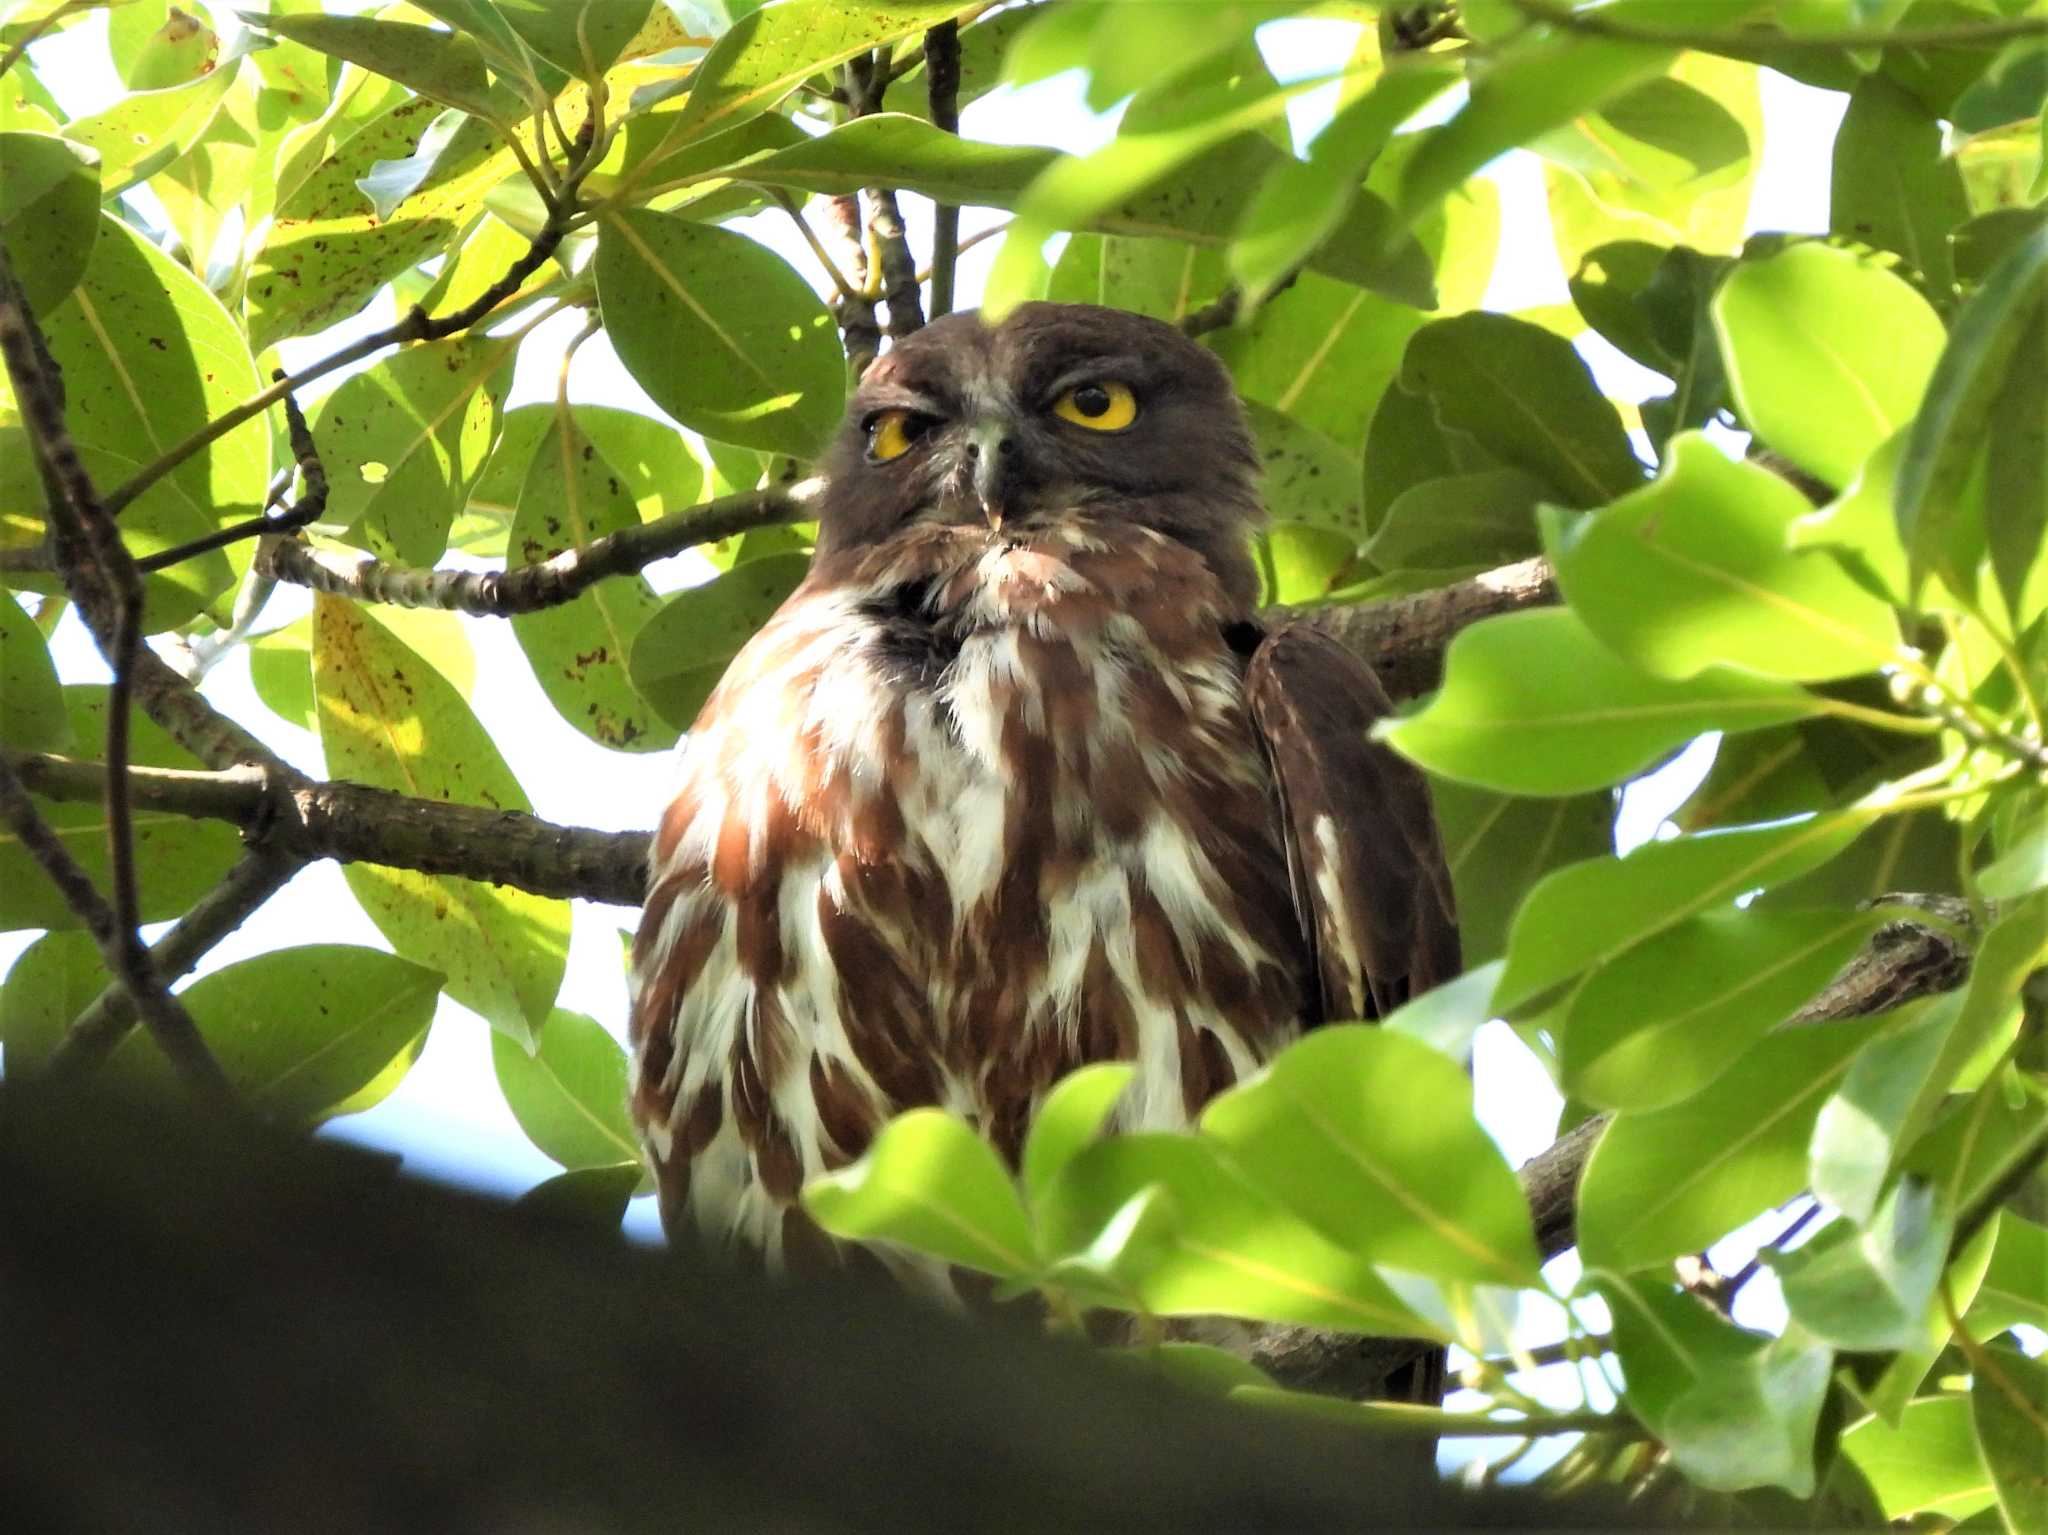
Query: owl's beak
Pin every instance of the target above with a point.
(990, 449)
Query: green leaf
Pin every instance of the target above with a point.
(1167, 279)
(388, 719)
(154, 46)
(1976, 371)
(2015, 1284)
(653, 462)
(1929, 1462)
(1692, 570)
(1827, 354)
(49, 213)
(1663, 132)
(2009, 1405)
(1448, 1015)
(683, 650)
(1407, 446)
(1669, 1016)
(177, 858)
(1176, 1231)
(298, 1031)
(1909, 1366)
(50, 983)
(1893, 186)
(327, 252)
(771, 51)
(1752, 1423)
(1979, 1140)
(402, 441)
(1497, 847)
(720, 331)
(1859, 525)
(579, 650)
(932, 1184)
(585, 37)
(1543, 80)
(1487, 518)
(1869, 1287)
(2016, 470)
(592, 1196)
(1301, 204)
(1369, 1136)
(149, 357)
(1881, 1106)
(1322, 353)
(1666, 1340)
(569, 1094)
(1528, 399)
(1198, 1367)
(1071, 1116)
(442, 66)
(1676, 1180)
(145, 131)
(32, 714)
(1308, 477)
(1590, 914)
(1532, 703)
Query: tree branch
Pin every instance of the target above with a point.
(551, 582)
(305, 510)
(942, 81)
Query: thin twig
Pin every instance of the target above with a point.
(42, 24)
(108, 1018)
(415, 325)
(942, 81)
(551, 582)
(1751, 1269)
(305, 510)
(867, 77)
(968, 242)
(102, 579)
(788, 204)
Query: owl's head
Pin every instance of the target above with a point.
(1060, 410)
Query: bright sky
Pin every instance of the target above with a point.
(447, 1117)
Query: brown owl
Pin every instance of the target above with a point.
(1014, 782)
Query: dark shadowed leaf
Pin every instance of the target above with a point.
(682, 651)
(2009, 1403)
(1528, 399)
(388, 719)
(1485, 518)
(724, 335)
(594, 1196)
(32, 712)
(1498, 846)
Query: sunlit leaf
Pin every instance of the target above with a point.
(1071, 1116)
(933, 1185)
(49, 213)
(1369, 1136)
(1692, 571)
(569, 1094)
(389, 720)
(1827, 354)
(1532, 703)
(579, 650)
(1869, 1286)
(442, 66)
(32, 712)
(1929, 1462)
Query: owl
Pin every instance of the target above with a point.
(1015, 781)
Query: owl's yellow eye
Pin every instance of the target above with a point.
(1101, 407)
(892, 433)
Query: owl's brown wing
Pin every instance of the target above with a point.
(1364, 858)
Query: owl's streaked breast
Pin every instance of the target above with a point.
(966, 815)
